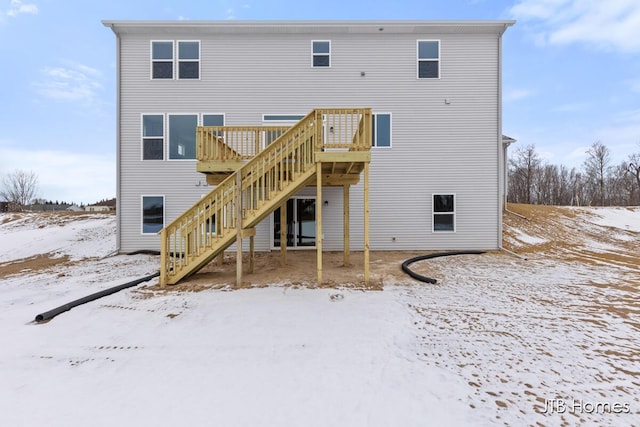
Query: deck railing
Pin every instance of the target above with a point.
(256, 189)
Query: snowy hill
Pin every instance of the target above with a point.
(491, 344)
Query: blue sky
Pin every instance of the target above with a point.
(571, 75)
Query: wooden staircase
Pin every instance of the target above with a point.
(256, 177)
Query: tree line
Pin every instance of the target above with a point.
(19, 190)
(598, 182)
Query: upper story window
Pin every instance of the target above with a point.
(166, 63)
(188, 59)
(162, 60)
(152, 137)
(321, 52)
(444, 212)
(381, 130)
(428, 59)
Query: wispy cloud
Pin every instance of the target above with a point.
(608, 25)
(516, 94)
(572, 107)
(75, 82)
(17, 7)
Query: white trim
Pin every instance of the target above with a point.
(164, 212)
(173, 59)
(374, 143)
(439, 60)
(168, 139)
(178, 60)
(164, 137)
(313, 54)
(434, 213)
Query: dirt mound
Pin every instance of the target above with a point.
(608, 236)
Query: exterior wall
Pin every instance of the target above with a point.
(437, 146)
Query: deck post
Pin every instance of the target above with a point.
(239, 228)
(319, 219)
(345, 222)
(163, 257)
(283, 234)
(251, 253)
(366, 223)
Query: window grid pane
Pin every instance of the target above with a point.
(152, 149)
(428, 69)
(428, 50)
(162, 50)
(189, 50)
(162, 70)
(212, 120)
(189, 70)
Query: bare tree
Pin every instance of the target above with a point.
(633, 169)
(524, 168)
(19, 188)
(596, 167)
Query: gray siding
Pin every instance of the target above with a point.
(437, 147)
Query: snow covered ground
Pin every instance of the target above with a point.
(495, 342)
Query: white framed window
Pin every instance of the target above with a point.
(212, 119)
(152, 136)
(428, 53)
(381, 130)
(188, 59)
(152, 214)
(182, 136)
(162, 59)
(320, 53)
(175, 60)
(444, 212)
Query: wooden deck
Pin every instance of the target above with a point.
(256, 170)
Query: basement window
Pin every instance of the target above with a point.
(152, 214)
(444, 212)
(428, 59)
(321, 53)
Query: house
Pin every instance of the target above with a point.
(415, 104)
(97, 208)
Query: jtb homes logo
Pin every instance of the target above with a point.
(575, 406)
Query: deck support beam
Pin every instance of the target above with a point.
(319, 220)
(283, 234)
(252, 247)
(239, 230)
(345, 223)
(366, 223)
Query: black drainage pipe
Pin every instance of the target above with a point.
(48, 315)
(406, 269)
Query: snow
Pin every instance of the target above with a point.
(617, 217)
(530, 240)
(486, 346)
